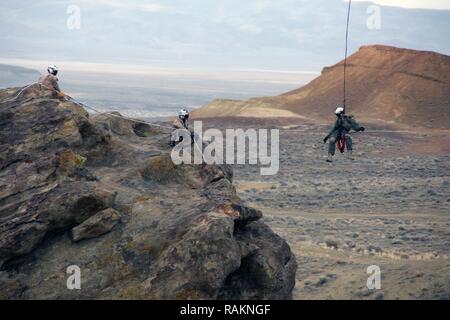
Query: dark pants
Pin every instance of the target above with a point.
(334, 139)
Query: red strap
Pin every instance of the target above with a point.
(341, 144)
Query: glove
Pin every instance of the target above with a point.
(325, 140)
(362, 129)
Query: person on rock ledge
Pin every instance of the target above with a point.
(50, 80)
(340, 134)
(180, 123)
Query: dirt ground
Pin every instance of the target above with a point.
(390, 207)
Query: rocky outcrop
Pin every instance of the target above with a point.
(101, 193)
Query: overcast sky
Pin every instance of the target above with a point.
(427, 4)
(289, 35)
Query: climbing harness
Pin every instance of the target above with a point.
(341, 143)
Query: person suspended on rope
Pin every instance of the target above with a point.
(339, 134)
(180, 123)
(50, 80)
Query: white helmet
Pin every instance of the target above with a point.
(183, 114)
(339, 110)
(53, 70)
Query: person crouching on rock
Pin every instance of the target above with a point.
(340, 133)
(180, 123)
(50, 80)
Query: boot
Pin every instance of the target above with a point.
(330, 158)
(350, 155)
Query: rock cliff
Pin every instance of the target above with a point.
(102, 193)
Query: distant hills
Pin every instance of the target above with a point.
(396, 85)
(13, 76)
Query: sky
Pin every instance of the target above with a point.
(427, 4)
(277, 35)
(154, 6)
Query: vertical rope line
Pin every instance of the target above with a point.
(346, 53)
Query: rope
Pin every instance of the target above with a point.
(106, 113)
(134, 120)
(20, 92)
(119, 116)
(346, 54)
(88, 107)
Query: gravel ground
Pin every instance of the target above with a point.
(389, 207)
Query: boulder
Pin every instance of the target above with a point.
(97, 225)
